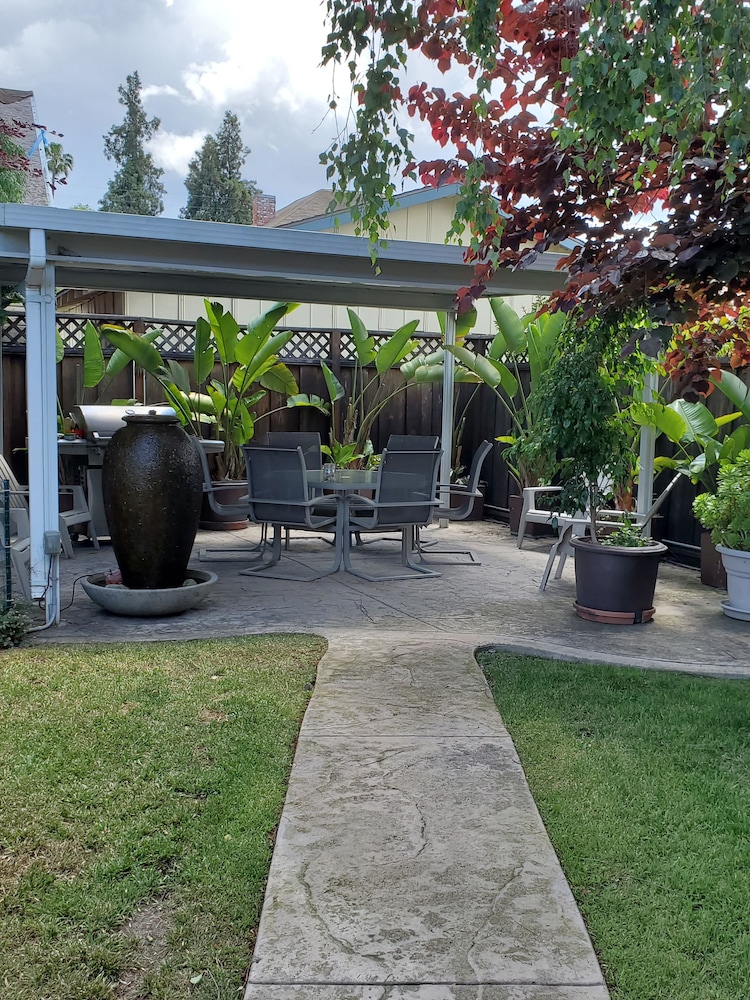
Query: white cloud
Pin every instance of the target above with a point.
(155, 91)
(174, 152)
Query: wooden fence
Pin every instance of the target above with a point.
(416, 410)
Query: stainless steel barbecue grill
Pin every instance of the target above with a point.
(98, 423)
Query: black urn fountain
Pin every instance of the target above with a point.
(152, 485)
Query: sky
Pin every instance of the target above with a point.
(196, 59)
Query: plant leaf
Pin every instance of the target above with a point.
(396, 347)
(93, 357)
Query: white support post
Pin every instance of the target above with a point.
(648, 451)
(446, 437)
(41, 395)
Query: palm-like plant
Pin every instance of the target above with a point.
(59, 165)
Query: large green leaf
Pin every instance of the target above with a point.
(178, 375)
(93, 358)
(396, 347)
(304, 399)
(204, 355)
(492, 372)
(409, 368)
(364, 344)
(119, 360)
(136, 348)
(464, 323)
(663, 418)
(541, 337)
(256, 349)
(334, 387)
(267, 320)
(280, 379)
(511, 337)
(59, 347)
(225, 330)
(734, 389)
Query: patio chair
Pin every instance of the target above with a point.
(533, 514)
(468, 495)
(309, 442)
(77, 516)
(412, 442)
(213, 492)
(404, 500)
(278, 497)
(574, 527)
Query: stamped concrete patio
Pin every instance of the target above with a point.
(410, 861)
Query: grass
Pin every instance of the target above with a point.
(643, 781)
(141, 785)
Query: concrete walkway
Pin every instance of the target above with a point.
(411, 862)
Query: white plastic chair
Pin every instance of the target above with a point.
(78, 515)
(531, 513)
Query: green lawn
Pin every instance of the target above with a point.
(140, 788)
(643, 781)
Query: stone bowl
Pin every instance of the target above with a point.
(119, 600)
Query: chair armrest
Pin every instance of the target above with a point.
(532, 491)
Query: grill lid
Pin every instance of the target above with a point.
(100, 422)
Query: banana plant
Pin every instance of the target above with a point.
(248, 367)
(529, 338)
(370, 392)
(696, 437)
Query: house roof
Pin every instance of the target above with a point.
(143, 253)
(313, 213)
(18, 105)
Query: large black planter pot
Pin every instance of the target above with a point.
(152, 484)
(615, 584)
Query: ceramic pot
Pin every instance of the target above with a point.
(737, 566)
(152, 484)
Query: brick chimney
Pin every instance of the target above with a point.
(264, 209)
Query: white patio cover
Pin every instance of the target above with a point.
(45, 248)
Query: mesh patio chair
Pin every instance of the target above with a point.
(412, 442)
(278, 497)
(468, 495)
(308, 441)
(404, 500)
(213, 492)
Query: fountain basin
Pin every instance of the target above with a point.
(119, 600)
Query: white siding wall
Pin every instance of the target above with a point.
(425, 223)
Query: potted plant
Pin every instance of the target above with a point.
(219, 403)
(582, 414)
(699, 443)
(726, 513)
(519, 341)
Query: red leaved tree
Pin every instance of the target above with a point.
(616, 128)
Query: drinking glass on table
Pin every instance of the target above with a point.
(329, 471)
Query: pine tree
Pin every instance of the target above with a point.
(136, 188)
(216, 192)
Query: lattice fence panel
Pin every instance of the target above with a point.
(177, 339)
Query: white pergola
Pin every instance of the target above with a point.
(46, 248)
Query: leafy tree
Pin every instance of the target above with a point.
(13, 165)
(215, 188)
(584, 118)
(136, 188)
(59, 164)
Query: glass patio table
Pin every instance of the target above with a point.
(344, 480)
